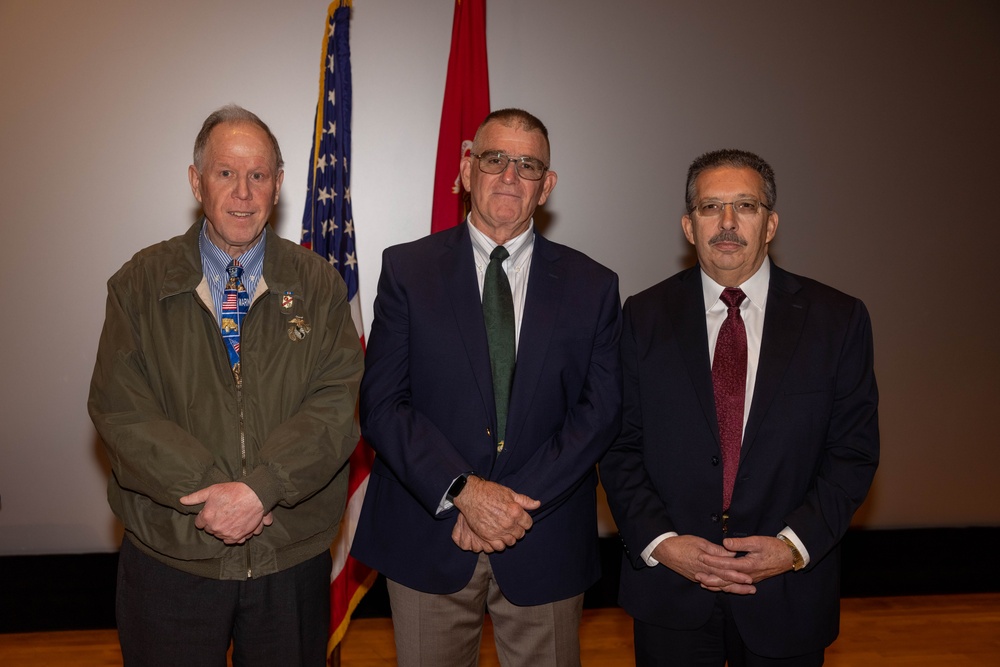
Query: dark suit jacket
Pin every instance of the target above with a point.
(427, 409)
(809, 453)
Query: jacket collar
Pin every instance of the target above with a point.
(185, 273)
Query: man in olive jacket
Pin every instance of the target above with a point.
(229, 473)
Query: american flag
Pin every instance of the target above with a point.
(229, 302)
(328, 228)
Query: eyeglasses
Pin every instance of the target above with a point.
(495, 162)
(745, 209)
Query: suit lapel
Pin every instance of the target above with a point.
(692, 337)
(545, 289)
(783, 322)
(458, 269)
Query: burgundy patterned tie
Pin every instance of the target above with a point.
(729, 379)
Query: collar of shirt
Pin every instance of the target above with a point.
(519, 248)
(214, 262)
(755, 288)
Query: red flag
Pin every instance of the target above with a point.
(328, 229)
(466, 104)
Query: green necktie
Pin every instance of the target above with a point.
(498, 311)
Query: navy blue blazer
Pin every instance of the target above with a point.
(809, 453)
(427, 409)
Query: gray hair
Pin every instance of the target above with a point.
(231, 113)
(730, 157)
(513, 118)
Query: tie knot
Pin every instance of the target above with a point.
(499, 253)
(235, 269)
(732, 297)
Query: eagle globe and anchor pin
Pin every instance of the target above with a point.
(299, 327)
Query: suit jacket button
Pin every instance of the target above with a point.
(715, 460)
(500, 447)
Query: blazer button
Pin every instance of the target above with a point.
(715, 460)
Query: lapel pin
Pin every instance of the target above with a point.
(299, 328)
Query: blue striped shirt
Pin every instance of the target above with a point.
(214, 262)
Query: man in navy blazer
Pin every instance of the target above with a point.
(457, 519)
(750, 574)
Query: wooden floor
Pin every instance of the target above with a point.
(951, 630)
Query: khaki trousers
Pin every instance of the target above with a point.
(445, 630)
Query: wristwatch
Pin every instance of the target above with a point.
(797, 561)
(457, 486)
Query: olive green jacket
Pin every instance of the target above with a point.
(173, 420)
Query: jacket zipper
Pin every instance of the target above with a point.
(238, 380)
(243, 453)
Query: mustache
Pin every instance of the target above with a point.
(727, 236)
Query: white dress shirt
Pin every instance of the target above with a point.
(516, 266)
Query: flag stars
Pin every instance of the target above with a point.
(329, 228)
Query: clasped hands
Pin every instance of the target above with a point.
(233, 513)
(717, 568)
(491, 516)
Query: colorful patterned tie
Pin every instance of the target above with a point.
(498, 311)
(729, 379)
(235, 303)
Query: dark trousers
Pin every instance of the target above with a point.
(168, 618)
(715, 644)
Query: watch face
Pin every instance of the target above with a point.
(457, 486)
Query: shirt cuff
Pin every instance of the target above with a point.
(647, 553)
(446, 504)
(794, 539)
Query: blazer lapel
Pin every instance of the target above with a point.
(458, 269)
(783, 322)
(692, 336)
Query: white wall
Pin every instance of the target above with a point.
(879, 119)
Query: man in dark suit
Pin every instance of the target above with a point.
(482, 495)
(749, 438)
